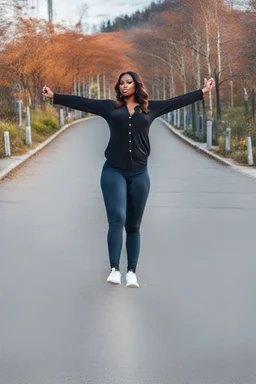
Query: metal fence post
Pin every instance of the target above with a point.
(78, 114)
(228, 136)
(188, 116)
(197, 124)
(27, 116)
(20, 112)
(249, 149)
(178, 118)
(7, 143)
(209, 134)
(184, 118)
(193, 108)
(28, 139)
(61, 117)
(201, 127)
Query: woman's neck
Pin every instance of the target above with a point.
(130, 100)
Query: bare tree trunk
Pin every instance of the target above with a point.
(198, 62)
(172, 88)
(109, 91)
(208, 63)
(90, 88)
(104, 86)
(198, 68)
(164, 91)
(246, 107)
(217, 87)
(84, 87)
(157, 92)
(172, 82)
(231, 94)
(79, 87)
(253, 104)
(98, 86)
(183, 74)
(158, 88)
(75, 89)
(219, 51)
(218, 39)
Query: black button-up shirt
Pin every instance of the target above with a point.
(128, 146)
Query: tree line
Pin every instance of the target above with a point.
(178, 46)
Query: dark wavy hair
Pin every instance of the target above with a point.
(141, 97)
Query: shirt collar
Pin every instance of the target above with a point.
(135, 108)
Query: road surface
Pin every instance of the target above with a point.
(193, 319)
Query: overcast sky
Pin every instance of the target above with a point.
(98, 10)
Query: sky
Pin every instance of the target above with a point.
(67, 11)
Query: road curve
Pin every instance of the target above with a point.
(193, 319)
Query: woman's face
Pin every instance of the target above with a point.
(127, 86)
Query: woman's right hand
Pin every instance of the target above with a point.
(47, 92)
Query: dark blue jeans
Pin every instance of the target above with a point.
(125, 194)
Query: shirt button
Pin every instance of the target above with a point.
(130, 150)
(129, 125)
(129, 117)
(130, 141)
(130, 133)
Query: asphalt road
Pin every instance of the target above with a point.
(193, 319)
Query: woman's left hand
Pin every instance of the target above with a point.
(208, 85)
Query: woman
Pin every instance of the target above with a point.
(124, 179)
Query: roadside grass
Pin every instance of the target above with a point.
(44, 123)
(242, 125)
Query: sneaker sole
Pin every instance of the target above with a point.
(113, 282)
(132, 285)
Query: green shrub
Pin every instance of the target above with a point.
(189, 133)
(40, 128)
(50, 123)
(241, 125)
(222, 144)
(17, 136)
(43, 124)
(49, 117)
(48, 111)
(240, 156)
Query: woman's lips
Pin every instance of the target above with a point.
(125, 90)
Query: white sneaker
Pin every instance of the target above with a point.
(114, 277)
(131, 280)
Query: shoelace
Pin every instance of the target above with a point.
(132, 275)
(114, 272)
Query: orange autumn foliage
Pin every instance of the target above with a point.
(39, 55)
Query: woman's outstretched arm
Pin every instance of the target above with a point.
(160, 107)
(98, 107)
